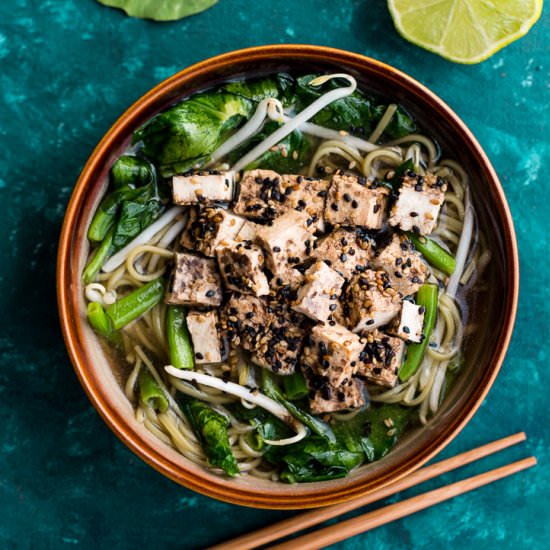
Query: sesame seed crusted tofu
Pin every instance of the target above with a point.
(209, 228)
(205, 187)
(380, 359)
(318, 296)
(195, 282)
(369, 302)
(241, 267)
(418, 203)
(306, 195)
(203, 328)
(353, 201)
(409, 324)
(346, 251)
(404, 266)
(259, 195)
(265, 194)
(248, 231)
(267, 330)
(326, 398)
(286, 242)
(333, 352)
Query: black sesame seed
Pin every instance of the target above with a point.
(406, 330)
(210, 293)
(343, 257)
(376, 208)
(347, 197)
(332, 307)
(199, 355)
(276, 249)
(334, 207)
(413, 214)
(354, 204)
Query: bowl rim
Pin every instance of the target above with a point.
(235, 493)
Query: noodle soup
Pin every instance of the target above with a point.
(280, 264)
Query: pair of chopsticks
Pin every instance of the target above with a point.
(351, 527)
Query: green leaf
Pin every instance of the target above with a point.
(136, 215)
(211, 428)
(291, 155)
(190, 131)
(160, 10)
(357, 113)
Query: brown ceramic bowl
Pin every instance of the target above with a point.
(492, 312)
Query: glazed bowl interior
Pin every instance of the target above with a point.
(491, 304)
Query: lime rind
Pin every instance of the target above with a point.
(489, 25)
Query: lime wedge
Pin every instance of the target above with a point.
(464, 31)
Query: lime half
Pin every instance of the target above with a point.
(464, 31)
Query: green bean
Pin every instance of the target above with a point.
(179, 341)
(426, 297)
(137, 303)
(295, 386)
(101, 323)
(102, 252)
(434, 254)
(150, 393)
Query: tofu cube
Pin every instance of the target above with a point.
(318, 296)
(203, 328)
(380, 359)
(241, 267)
(245, 320)
(209, 228)
(265, 195)
(195, 282)
(326, 398)
(259, 195)
(409, 324)
(369, 302)
(248, 231)
(286, 242)
(404, 266)
(353, 201)
(332, 351)
(306, 195)
(346, 251)
(272, 335)
(205, 187)
(418, 203)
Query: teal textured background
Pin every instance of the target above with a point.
(68, 69)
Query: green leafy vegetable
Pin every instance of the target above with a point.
(317, 426)
(267, 426)
(189, 132)
(295, 386)
(160, 10)
(143, 208)
(356, 113)
(131, 171)
(374, 430)
(289, 155)
(100, 254)
(211, 428)
(313, 459)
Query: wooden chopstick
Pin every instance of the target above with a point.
(351, 527)
(302, 521)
